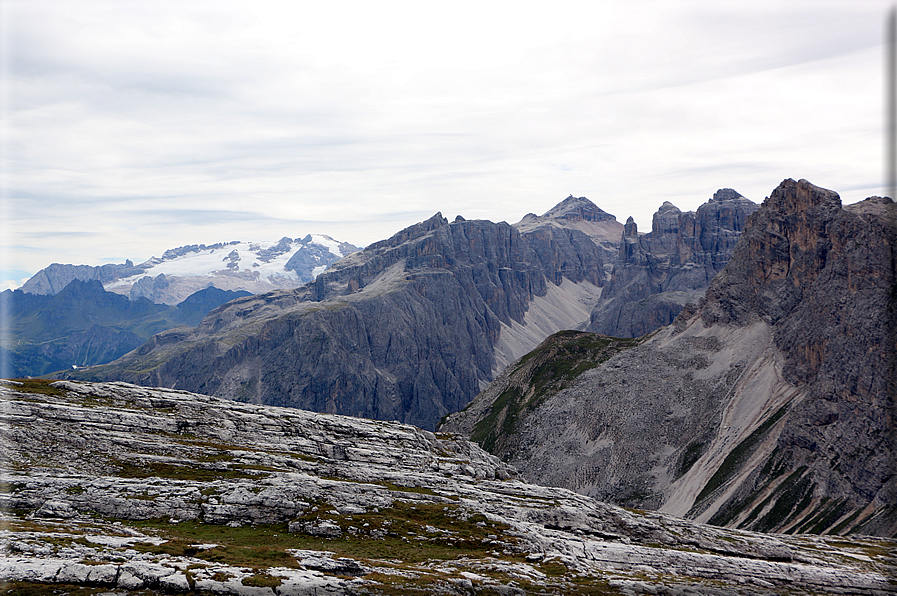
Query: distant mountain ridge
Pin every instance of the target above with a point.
(658, 273)
(405, 329)
(85, 325)
(256, 267)
(410, 328)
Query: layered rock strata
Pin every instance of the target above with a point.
(118, 486)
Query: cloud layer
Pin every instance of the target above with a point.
(129, 128)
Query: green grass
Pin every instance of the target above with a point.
(39, 386)
(692, 454)
(176, 472)
(792, 478)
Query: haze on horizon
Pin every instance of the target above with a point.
(130, 128)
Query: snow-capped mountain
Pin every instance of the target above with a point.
(256, 267)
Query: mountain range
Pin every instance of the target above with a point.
(413, 327)
(770, 405)
(84, 325)
(749, 380)
(255, 267)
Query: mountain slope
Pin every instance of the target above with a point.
(410, 328)
(771, 406)
(85, 325)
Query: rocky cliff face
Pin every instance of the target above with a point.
(124, 488)
(771, 406)
(581, 214)
(407, 329)
(657, 273)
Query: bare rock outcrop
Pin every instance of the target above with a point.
(123, 487)
(658, 273)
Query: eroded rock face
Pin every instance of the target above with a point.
(823, 278)
(404, 330)
(658, 273)
(770, 406)
(132, 488)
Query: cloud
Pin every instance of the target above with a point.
(136, 127)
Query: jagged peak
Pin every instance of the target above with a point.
(578, 208)
(791, 197)
(726, 194)
(667, 206)
(411, 232)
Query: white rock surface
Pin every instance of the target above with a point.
(92, 454)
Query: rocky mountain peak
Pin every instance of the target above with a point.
(578, 209)
(794, 239)
(726, 194)
(792, 197)
(769, 407)
(666, 220)
(659, 272)
(412, 232)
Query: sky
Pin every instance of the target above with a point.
(130, 127)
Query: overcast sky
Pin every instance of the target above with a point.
(130, 127)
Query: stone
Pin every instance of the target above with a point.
(405, 329)
(278, 465)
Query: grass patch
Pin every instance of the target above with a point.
(759, 508)
(421, 490)
(39, 386)
(692, 454)
(786, 501)
(261, 580)
(412, 533)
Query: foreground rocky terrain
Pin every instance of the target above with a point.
(770, 406)
(150, 491)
